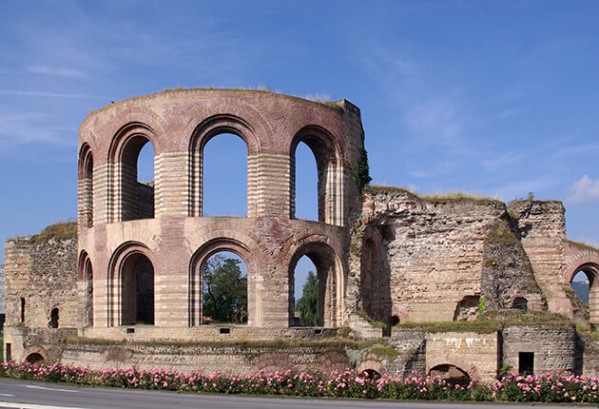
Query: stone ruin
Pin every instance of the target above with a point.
(448, 284)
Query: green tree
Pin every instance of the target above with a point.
(225, 290)
(307, 306)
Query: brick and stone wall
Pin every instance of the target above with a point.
(433, 259)
(554, 348)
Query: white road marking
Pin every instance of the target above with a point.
(32, 406)
(51, 389)
(7, 394)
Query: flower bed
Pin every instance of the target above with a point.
(347, 384)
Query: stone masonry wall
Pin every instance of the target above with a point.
(424, 259)
(554, 348)
(542, 228)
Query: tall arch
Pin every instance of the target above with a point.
(212, 247)
(591, 271)
(85, 278)
(131, 286)
(86, 186)
(330, 173)
(204, 132)
(128, 197)
(330, 282)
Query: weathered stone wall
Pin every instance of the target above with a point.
(476, 353)
(554, 347)
(230, 360)
(41, 276)
(430, 259)
(542, 230)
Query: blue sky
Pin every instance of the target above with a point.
(494, 98)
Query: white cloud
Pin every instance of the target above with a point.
(585, 189)
(55, 71)
(18, 93)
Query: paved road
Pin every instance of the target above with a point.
(36, 395)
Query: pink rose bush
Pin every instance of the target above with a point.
(336, 384)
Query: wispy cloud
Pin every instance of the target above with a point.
(32, 127)
(55, 71)
(585, 189)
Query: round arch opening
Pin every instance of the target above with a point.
(451, 374)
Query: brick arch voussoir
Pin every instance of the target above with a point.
(333, 144)
(35, 349)
(123, 252)
(227, 240)
(296, 247)
(575, 261)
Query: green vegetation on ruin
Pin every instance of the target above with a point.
(440, 197)
(58, 231)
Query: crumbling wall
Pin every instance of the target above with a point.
(542, 229)
(441, 254)
(41, 291)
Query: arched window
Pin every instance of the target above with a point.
(87, 282)
(305, 294)
(329, 281)
(224, 285)
(329, 174)
(305, 184)
(137, 179)
(86, 181)
(224, 161)
(581, 284)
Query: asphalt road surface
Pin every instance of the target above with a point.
(37, 395)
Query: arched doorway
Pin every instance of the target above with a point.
(329, 281)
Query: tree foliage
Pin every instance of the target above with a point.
(307, 306)
(225, 290)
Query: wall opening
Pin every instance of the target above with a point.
(305, 294)
(224, 289)
(22, 309)
(329, 294)
(451, 374)
(581, 284)
(304, 184)
(86, 180)
(375, 285)
(467, 309)
(526, 363)
(520, 303)
(137, 295)
(137, 179)
(88, 313)
(7, 352)
(224, 181)
(54, 317)
(34, 358)
(328, 174)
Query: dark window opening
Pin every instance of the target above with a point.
(8, 352)
(22, 309)
(54, 316)
(520, 303)
(138, 291)
(526, 363)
